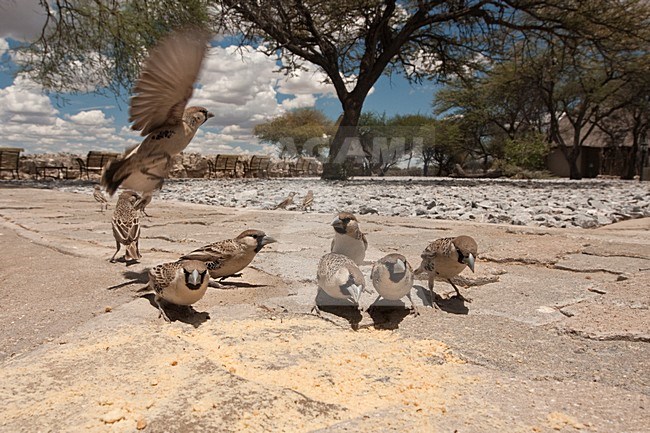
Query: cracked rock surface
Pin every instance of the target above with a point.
(557, 337)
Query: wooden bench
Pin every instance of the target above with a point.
(226, 164)
(259, 166)
(9, 160)
(304, 166)
(95, 162)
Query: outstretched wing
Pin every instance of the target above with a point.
(167, 80)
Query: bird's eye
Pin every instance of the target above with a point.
(346, 220)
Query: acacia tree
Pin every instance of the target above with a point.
(301, 132)
(353, 42)
(634, 118)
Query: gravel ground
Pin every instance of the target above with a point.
(548, 203)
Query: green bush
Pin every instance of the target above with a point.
(528, 152)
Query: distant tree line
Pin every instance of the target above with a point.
(541, 92)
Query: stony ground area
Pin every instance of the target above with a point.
(556, 337)
(543, 203)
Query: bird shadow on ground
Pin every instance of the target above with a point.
(387, 316)
(238, 285)
(339, 307)
(125, 261)
(132, 277)
(453, 305)
(181, 313)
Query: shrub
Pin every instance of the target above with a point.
(527, 152)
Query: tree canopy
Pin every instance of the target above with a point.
(301, 132)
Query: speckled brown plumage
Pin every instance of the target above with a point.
(392, 277)
(180, 283)
(99, 196)
(446, 258)
(349, 240)
(340, 278)
(126, 226)
(226, 258)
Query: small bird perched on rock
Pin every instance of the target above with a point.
(308, 201)
(348, 238)
(226, 258)
(179, 283)
(446, 258)
(158, 109)
(340, 278)
(392, 277)
(286, 202)
(100, 198)
(142, 202)
(126, 226)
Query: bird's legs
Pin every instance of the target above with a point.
(432, 295)
(315, 306)
(215, 284)
(414, 309)
(118, 250)
(160, 308)
(238, 275)
(372, 306)
(458, 295)
(316, 309)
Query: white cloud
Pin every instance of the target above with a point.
(90, 118)
(299, 101)
(239, 90)
(29, 120)
(23, 102)
(306, 82)
(4, 46)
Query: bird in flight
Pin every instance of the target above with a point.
(159, 110)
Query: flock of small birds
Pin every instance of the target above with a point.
(184, 282)
(158, 108)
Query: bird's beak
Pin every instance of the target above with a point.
(400, 267)
(194, 278)
(336, 221)
(267, 240)
(470, 261)
(210, 114)
(356, 292)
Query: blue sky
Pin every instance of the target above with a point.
(242, 92)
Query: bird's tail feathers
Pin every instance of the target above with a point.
(132, 252)
(110, 179)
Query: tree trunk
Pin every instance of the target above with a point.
(572, 159)
(335, 168)
(631, 162)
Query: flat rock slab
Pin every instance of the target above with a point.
(540, 348)
(590, 263)
(618, 313)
